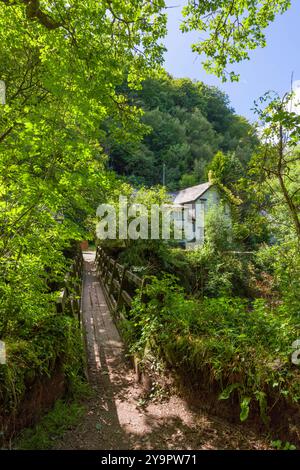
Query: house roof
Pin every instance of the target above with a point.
(192, 193)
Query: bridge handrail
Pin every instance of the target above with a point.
(70, 295)
(116, 281)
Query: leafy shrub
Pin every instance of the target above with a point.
(282, 262)
(218, 229)
(208, 270)
(54, 339)
(243, 347)
(37, 338)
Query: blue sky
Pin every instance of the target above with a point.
(268, 69)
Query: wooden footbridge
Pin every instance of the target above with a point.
(118, 416)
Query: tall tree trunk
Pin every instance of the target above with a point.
(286, 195)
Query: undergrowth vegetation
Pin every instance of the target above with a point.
(39, 342)
(51, 428)
(54, 342)
(242, 347)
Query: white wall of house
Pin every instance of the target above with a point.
(210, 199)
(186, 207)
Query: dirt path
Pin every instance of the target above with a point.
(114, 419)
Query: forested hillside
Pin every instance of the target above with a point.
(186, 124)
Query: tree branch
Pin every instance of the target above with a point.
(34, 12)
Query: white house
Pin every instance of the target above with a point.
(197, 201)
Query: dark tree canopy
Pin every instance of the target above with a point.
(188, 123)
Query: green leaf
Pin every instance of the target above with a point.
(245, 408)
(228, 390)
